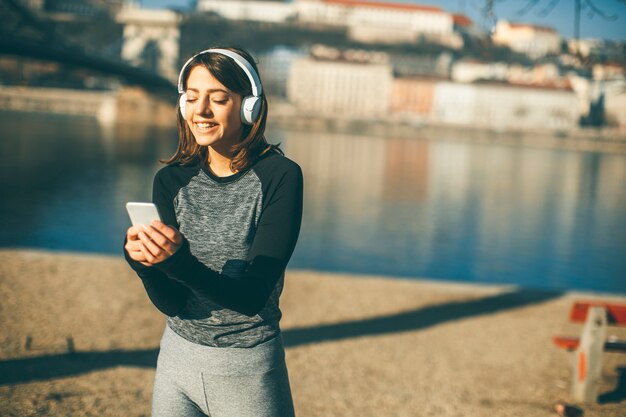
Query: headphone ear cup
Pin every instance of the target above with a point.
(182, 103)
(250, 109)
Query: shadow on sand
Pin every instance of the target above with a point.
(619, 393)
(18, 371)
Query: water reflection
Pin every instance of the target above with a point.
(64, 180)
(461, 211)
(418, 206)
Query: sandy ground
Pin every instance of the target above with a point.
(80, 338)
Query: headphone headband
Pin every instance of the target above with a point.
(255, 82)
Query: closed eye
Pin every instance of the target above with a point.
(220, 99)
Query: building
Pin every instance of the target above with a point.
(470, 70)
(364, 20)
(539, 74)
(151, 39)
(608, 97)
(534, 41)
(258, 11)
(340, 87)
(502, 106)
(609, 71)
(413, 96)
(382, 22)
(408, 65)
(453, 103)
(584, 47)
(615, 109)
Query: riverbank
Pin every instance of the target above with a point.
(610, 140)
(134, 107)
(79, 337)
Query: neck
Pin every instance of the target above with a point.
(219, 162)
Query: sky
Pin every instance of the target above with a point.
(560, 18)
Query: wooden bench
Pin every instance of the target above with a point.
(589, 347)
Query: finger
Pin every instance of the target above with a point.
(150, 245)
(133, 232)
(158, 239)
(134, 251)
(132, 245)
(169, 232)
(149, 257)
(137, 256)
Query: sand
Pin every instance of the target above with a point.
(80, 338)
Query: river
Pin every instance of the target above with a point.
(429, 207)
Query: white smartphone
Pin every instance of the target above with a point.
(142, 213)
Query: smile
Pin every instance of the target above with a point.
(205, 127)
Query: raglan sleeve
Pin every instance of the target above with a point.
(273, 244)
(167, 295)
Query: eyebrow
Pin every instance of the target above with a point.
(213, 90)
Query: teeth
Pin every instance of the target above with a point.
(205, 125)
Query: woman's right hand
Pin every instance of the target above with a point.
(134, 247)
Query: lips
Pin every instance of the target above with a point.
(205, 126)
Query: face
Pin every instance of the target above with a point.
(212, 111)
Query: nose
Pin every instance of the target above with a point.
(203, 106)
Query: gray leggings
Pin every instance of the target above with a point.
(196, 380)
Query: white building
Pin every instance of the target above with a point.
(453, 103)
(259, 11)
(584, 47)
(609, 71)
(382, 22)
(150, 28)
(365, 20)
(340, 88)
(534, 41)
(539, 74)
(615, 110)
(613, 95)
(503, 106)
(322, 13)
(469, 70)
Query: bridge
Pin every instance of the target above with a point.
(24, 34)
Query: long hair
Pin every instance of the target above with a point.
(253, 143)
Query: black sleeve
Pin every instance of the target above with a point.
(274, 241)
(167, 295)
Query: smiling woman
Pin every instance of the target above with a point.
(231, 206)
(212, 113)
(221, 90)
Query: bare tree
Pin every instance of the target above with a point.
(546, 6)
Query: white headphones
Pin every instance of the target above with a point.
(250, 105)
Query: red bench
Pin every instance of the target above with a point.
(589, 347)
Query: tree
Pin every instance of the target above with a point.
(589, 6)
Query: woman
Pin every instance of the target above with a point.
(231, 206)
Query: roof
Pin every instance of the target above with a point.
(387, 5)
(462, 20)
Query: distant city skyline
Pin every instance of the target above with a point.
(561, 18)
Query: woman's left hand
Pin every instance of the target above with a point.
(160, 241)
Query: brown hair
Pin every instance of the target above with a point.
(253, 143)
